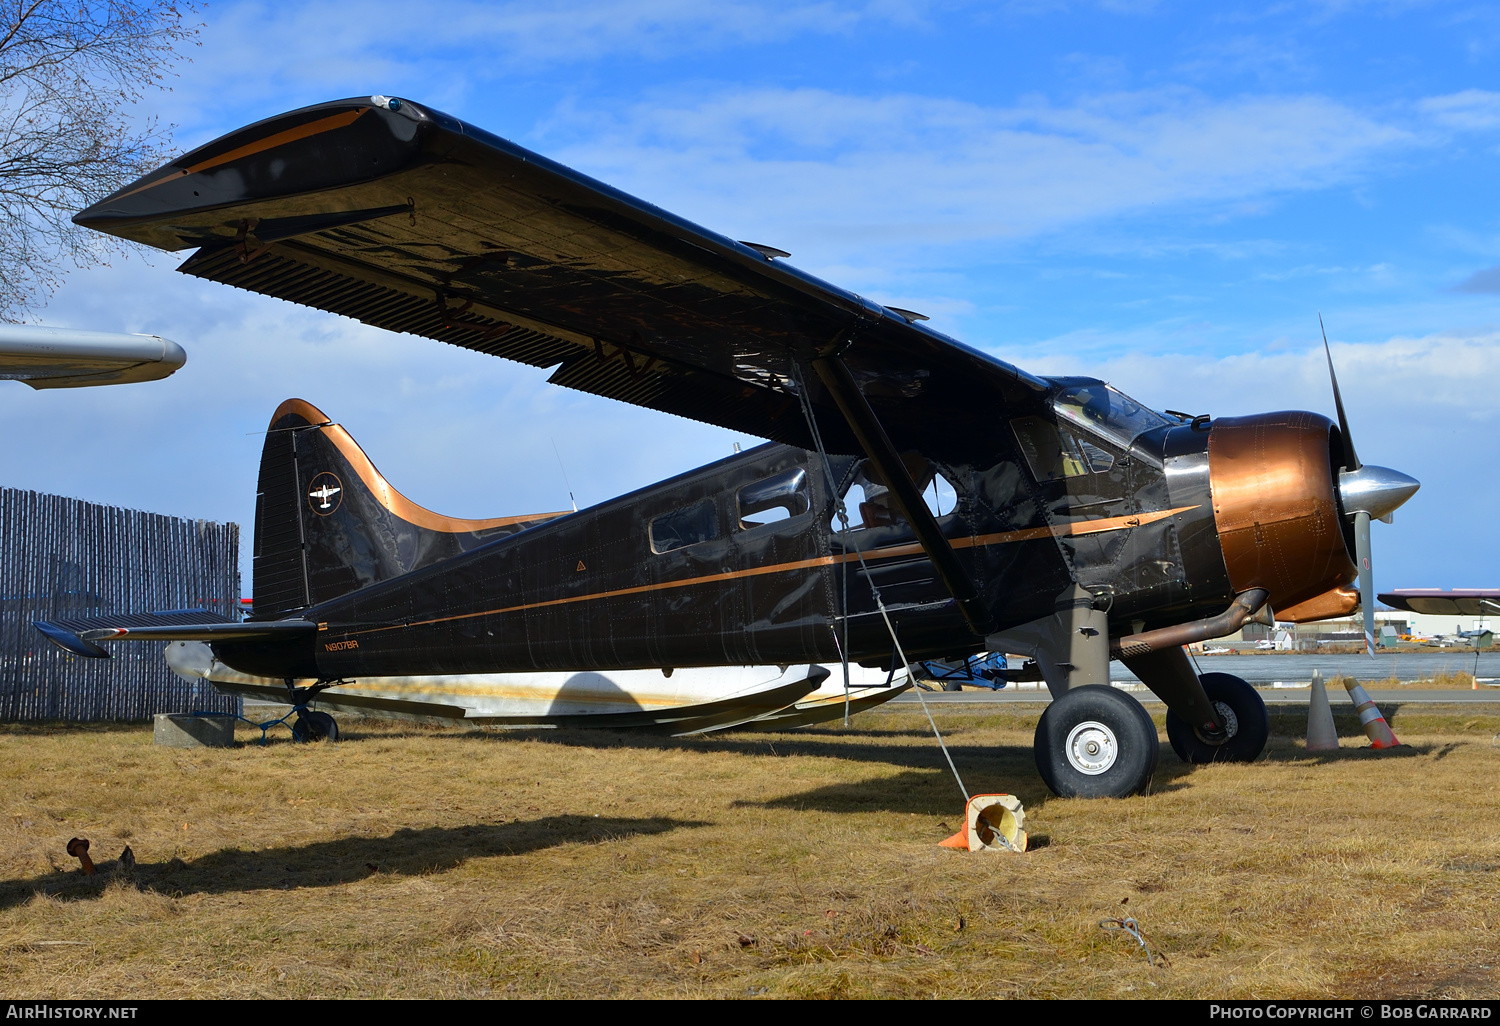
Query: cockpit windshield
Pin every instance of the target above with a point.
(1095, 406)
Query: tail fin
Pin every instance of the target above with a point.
(327, 523)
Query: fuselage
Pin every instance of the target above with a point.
(745, 561)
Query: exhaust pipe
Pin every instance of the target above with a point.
(1240, 611)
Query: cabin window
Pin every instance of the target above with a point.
(778, 497)
(1052, 454)
(687, 526)
(870, 503)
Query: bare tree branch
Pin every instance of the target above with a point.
(70, 72)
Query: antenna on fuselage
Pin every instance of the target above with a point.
(566, 483)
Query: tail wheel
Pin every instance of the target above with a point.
(1244, 714)
(1096, 742)
(315, 726)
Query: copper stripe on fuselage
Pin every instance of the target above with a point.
(889, 552)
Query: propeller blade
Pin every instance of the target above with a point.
(1366, 577)
(1350, 459)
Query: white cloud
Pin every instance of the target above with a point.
(813, 167)
(1471, 110)
(323, 39)
(1385, 383)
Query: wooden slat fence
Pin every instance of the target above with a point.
(62, 558)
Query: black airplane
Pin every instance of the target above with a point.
(1081, 524)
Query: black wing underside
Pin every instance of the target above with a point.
(413, 221)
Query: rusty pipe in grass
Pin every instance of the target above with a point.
(78, 847)
(1245, 605)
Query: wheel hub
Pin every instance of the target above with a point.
(1092, 748)
(1230, 721)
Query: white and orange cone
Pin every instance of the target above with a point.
(1369, 716)
(992, 822)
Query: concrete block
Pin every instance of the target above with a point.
(184, 730)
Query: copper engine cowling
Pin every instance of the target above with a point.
(1273, 479)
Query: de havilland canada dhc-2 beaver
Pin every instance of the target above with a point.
(917, 499)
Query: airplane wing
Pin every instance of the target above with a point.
(67, 358)
(406, 218)
(1459, 602)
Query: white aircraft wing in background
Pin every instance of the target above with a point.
(68, 358)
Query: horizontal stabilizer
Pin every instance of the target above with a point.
(70, 642)
(80, 636)
(204, 631)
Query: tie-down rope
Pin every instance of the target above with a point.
(843, 514)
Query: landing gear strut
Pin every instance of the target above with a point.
(1243, 713)
(1215, 717)
(1096, 742)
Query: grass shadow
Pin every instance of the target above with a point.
(918, 793)
(1007, 768)
(407, 852)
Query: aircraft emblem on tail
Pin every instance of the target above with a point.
(323, 495)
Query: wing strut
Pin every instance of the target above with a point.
(877, 446)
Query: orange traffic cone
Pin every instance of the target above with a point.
(992, 822)
(1369, 716)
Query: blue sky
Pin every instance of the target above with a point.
(1161, 194)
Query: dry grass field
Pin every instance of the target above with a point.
(411, 862)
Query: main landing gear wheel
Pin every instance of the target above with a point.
(1096, 742)
(1244, 714)
(315, 726)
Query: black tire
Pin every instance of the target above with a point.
(1089, 714)
(1250, 724)
(315, 726)
(952, 685)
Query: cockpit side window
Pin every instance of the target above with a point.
(774, 498)
(1106, 411)
(870, 503)
(687, 526)
(1053, 453)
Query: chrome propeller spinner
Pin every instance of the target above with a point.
(1365, 492)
